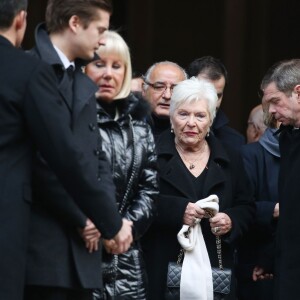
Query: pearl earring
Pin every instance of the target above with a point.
(172, 130)
(207, 134)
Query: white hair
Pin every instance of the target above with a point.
(193, 90)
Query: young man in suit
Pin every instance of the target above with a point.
(32, 116)
(73, 31)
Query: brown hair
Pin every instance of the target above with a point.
(59, 12)
(9, 9)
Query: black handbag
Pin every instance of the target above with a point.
(221, 276)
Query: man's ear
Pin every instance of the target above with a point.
(74, 23)
(20, 20)
(297, 89)
(256, 133)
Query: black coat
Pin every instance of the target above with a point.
(227, 135)
(57, 255)
(32, 114)
(127, 139)
(288, 237)
(262, 168)
(224, 178)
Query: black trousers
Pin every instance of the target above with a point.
(56, 293)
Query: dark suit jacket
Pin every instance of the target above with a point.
(57, 255)
(223, 178)
(262, 168)
(227, 135)
(32, 113)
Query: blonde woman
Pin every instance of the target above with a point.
(128, 143)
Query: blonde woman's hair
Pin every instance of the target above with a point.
(115, 44)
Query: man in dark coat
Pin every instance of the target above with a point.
(261, 160)
(213, 70)
(74, 30)
(32, 115)
(281, 91)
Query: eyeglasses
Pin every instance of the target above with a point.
(160, 87)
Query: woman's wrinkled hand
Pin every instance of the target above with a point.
(192, 214)
(220, 224)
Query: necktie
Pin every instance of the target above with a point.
(67, 84)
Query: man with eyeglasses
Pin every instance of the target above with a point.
(213, 70)
(159, 81)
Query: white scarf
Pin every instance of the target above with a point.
(196, 277)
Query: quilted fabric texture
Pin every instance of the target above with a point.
(174, 274)
(173, 281)
(221, 280)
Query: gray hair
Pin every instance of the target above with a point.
(193, 90)
(166, 63)
(285, 74)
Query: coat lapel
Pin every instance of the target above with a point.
(63, 89)
(172, 168)
(216, 174)
(45, 50)
(173, 173)
(84, 92)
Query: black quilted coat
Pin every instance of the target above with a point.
(128, 128)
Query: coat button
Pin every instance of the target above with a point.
(92, 126)
(99, 178)
(97, 152)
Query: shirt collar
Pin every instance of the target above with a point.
(64, 58)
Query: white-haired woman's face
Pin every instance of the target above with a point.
(108, 73)
(191, 122)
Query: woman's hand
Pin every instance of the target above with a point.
(192, 213)
(220, 224)
(110, 245)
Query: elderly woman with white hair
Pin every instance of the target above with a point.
(193, 165)
(129, 145)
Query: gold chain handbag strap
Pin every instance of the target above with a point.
(209, 214)
(219, 251)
